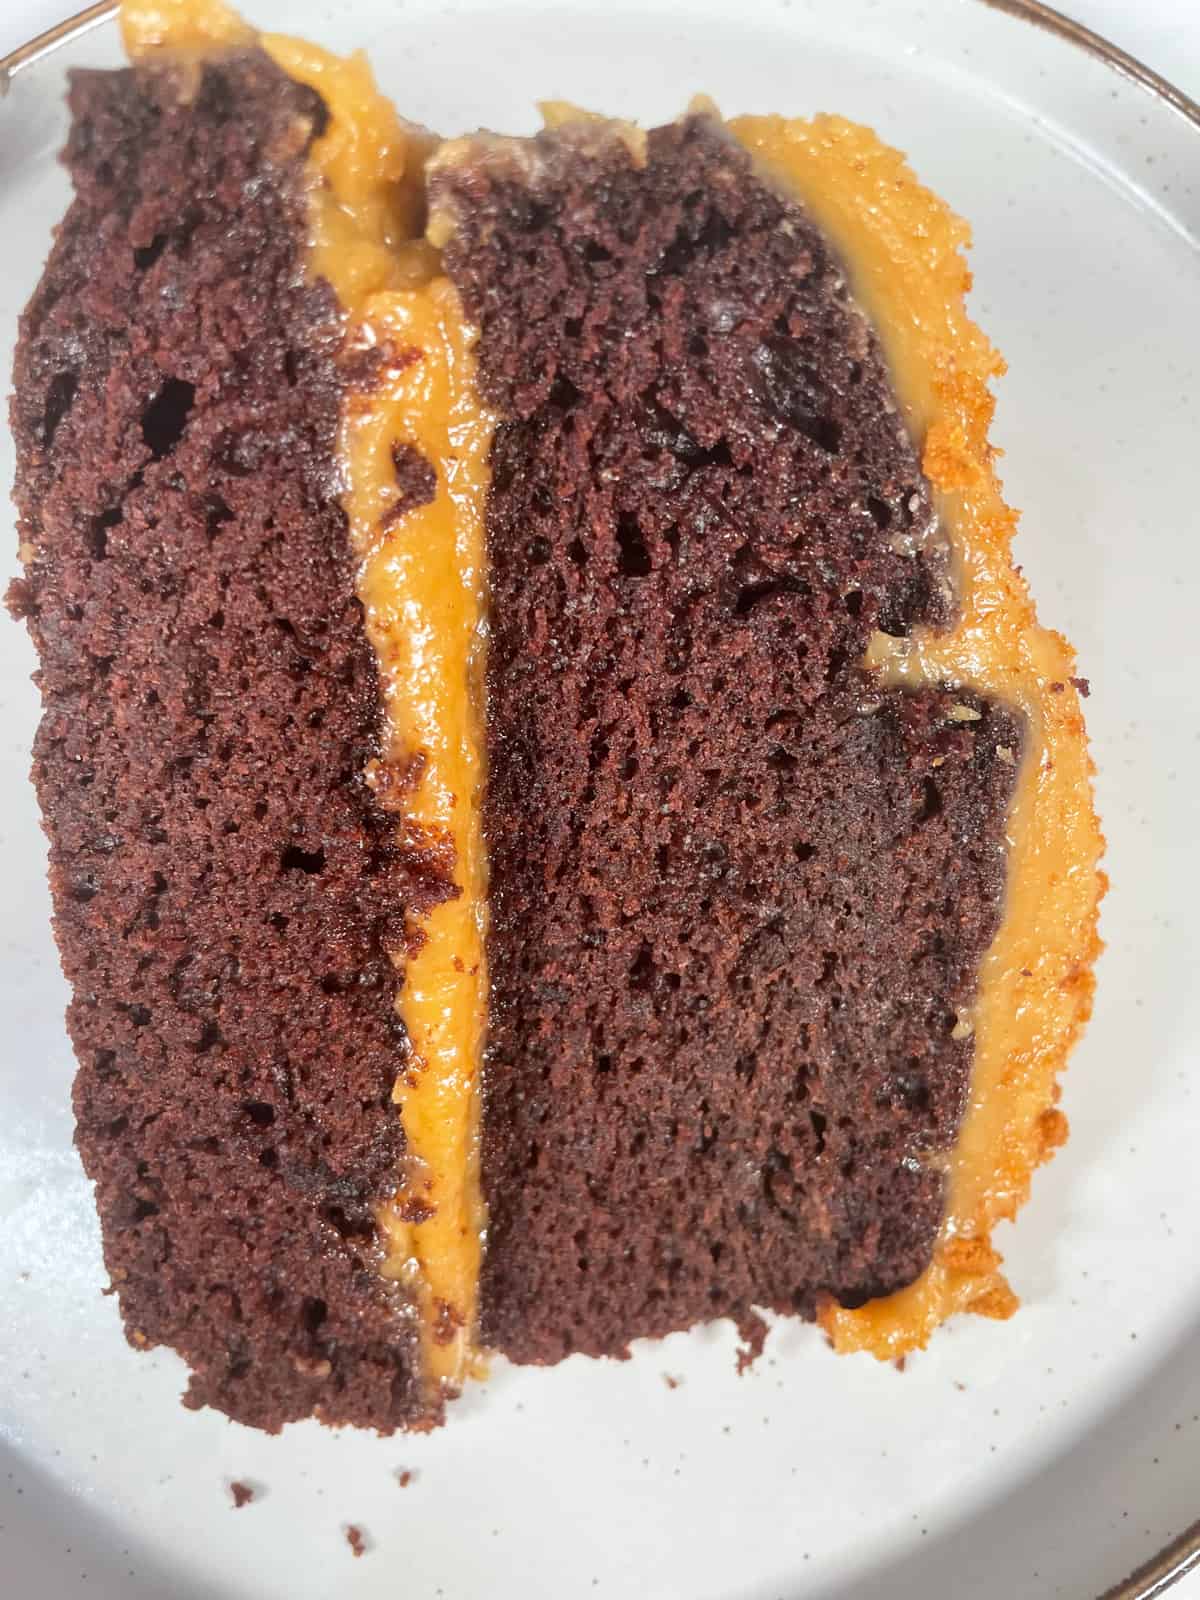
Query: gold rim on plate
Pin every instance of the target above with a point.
(1182, 1555)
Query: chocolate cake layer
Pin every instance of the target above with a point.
(224, 883)
(740, 892)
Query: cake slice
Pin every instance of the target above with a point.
(563, 823)
(765, 705)
(225, 883)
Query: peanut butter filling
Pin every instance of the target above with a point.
(902, 246)
(421, 583)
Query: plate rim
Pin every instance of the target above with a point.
(1181, 1554)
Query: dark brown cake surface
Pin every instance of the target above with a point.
(740, 891)
(223, 881)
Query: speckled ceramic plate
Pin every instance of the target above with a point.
(1047, 1456)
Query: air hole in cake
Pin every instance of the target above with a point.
(537, 551)
(145, 255)
(59, 398)
(97, 533)
(139, 1016)
(819, 1124)
(165, 418)
(633, 558)
(793, 393)
(563, 393)
(216, 515)
(931, 801)
(360, 1227)
(294, 859)
(312, 1313)
(881, 513)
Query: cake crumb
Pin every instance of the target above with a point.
(753, 1333)
(404, 1477)
(670, 1381)
(242, 1494)
(1082, 686)
(20, 599)
(900, 1363)
(356, 1539)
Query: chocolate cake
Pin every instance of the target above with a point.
(539, 841)
(222, 875)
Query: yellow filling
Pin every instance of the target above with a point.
(902, 246)
(422, 586)
(421, 583)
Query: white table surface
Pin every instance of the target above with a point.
(1165, 34)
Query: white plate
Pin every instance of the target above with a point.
(1046, 1456)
